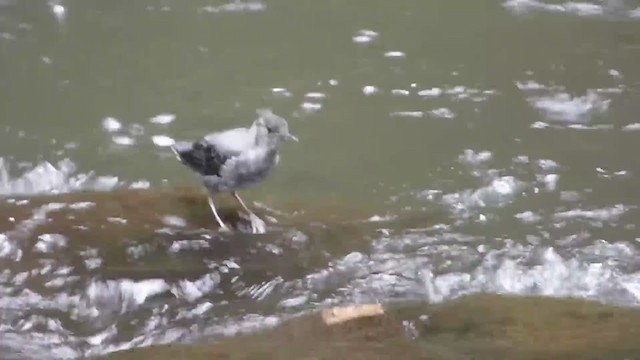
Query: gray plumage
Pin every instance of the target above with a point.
(235, 159)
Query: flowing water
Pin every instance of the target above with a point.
(510, 127)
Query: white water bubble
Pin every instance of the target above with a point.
(433, 92)
(409, 114)
(631, 127)
(370, 90)
(364, 36)
(140, 185)
(111, 124)
(551, 181)
(395, 54)
(311, 107)
(163, 119)
(123, 140)
(400, 92)
(315, 95)
(59, 11)
(563, 107)
(281, 92)
(443, 113)
(162, 140)
(49, 242)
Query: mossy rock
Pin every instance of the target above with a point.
(473, 327)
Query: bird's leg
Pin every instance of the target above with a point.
(223, 227)
(257, 224)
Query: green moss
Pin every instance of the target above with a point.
(474, 327)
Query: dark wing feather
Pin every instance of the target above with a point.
(202, 157)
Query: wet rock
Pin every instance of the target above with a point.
(478, 327)
(172, 235)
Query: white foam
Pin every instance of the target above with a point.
(118, 295)
(433, 92)
(590, 127)
(196, 312)
(539, 125)
(7, 247)
(263, 290)
(173, 220)
(236, 7)
(456, 90)
(92, 263)
(615, 73)
(512, 269)
(315, 95)
(563, 107)
(50, 242)
(631, 127)
(59, 11)
(604, 214)
(395, 54)
(162, 140)
(140, 185)
(370, 90)
(583, 9)
(311, 107)
(281, 92)
(83, 205)
(378, 218)
(180, 245)
(123, 140)
(547, 164)
(194, 290)
(444, 113)
(104, 183)
(528, 217)
(471, 157)
(530, 85)
(400, 92)
(551, 181)
(409, 114)
(365, 36)
(499, 192)
(294, 301)
(570, 7)
(45, 177)
(163, 119)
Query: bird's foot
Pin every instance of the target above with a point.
(224, 229)
(258, 226)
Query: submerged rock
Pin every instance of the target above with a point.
(152, 227)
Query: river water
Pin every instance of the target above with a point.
(511, 127)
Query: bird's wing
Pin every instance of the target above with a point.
(202, 156)
(233, 141)
(248, 164)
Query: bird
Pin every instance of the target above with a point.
(234, 159)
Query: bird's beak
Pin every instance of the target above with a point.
(291, 137)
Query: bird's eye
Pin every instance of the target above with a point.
(270, 130)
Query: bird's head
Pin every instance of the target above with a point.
(272, 127)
